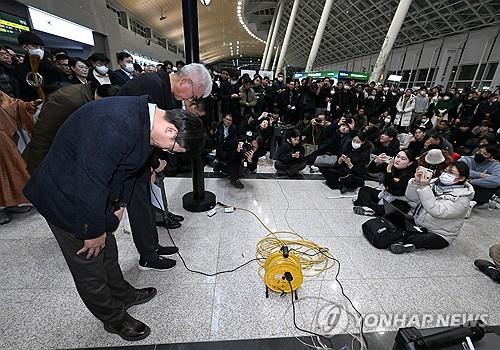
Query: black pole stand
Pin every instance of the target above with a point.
(199, 200)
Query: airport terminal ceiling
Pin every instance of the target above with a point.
(355, 27)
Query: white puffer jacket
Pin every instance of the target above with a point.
(440, 209)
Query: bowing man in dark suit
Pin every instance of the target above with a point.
(85, 182)
(163, 89)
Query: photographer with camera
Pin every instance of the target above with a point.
(234, 157)
(290, 159)
(335, 137)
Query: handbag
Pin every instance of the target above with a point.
(325, 161)
(381, 233)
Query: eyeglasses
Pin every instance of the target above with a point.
(171, 150)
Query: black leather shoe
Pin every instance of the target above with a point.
(129, 328)
(174, 217)
(164, 251)
(169, 223)
(142, 296)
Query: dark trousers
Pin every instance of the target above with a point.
(99, 280)
(291, 168)
(336, 179)
(427, 240)
(368, 197)
(143, 218)
(482, 194)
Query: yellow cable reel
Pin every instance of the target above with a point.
(279, 267)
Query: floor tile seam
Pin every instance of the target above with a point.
(212, 309)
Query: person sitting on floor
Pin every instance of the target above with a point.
(440, 206)
(290, 158)
(484, 173)
(397, 172)
(492, 270)
(349, 170)
(387, 143)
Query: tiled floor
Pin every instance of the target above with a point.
(40, 307)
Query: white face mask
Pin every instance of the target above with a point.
(371, 97)
(129, 67)
(102, 70)
(422, 93)
(447, 178)
(386, 88)
(347, 87)
(355, 145)
(36, 52)
(446, 98)
(332, 92)
(387, 120)
(280, 79)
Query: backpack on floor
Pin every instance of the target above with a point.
(381, 233)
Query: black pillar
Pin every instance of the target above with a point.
(199, 200)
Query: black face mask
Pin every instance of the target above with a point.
(479, 158)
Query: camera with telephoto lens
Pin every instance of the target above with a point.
(247, 145)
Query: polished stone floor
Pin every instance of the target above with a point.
(40, 308)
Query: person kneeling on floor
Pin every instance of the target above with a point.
(349, 170)
(397, 172)
(492, 270)
(440, 207)
(290, 159)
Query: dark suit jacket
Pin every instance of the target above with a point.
(232, 133)
(56, 109)
(155, 85)
(118, 77)
(91, 167)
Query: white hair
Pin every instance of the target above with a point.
(199, 75)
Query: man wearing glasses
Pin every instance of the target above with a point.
(191, 82)
(82, 186)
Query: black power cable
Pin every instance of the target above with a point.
(322, 251)
(184, 262)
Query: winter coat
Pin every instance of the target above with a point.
(404, 111)
(247, 96)
(421, 104)
(440, 209)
